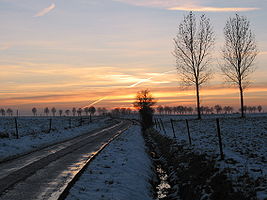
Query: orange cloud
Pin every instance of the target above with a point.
(212, 9)
(26, 85)
(189, 5)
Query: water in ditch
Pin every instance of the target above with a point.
(163, 187)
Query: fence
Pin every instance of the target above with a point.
(20, 126)
(247, 137)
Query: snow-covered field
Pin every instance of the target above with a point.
(33, 137)
(37, 125)
(121, 171)
(244, 143)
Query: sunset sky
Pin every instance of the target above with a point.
(71, 53)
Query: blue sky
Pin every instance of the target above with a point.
(84, 49)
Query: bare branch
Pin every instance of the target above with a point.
(239, 53)
(193, 45)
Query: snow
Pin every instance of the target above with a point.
(244, 143)
(32, 136)
(121, 171)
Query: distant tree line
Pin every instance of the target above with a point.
(53, 111)
(74, 111)
(122, 111)
(8, 112)
(218, 109)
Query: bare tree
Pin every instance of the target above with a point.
(102, 110)
(2, 111)
(193, 45)
(73, 111)
(190, 110)
(259, 108)
(60, 112)
(9, 111)
(228, 109)
(46, 111)
(34, 111)
(54, 110)
(218, 109)
(250, 109)
(92, 110)
(86, 110)
(67, 112)
(160, 109)
(239, 53)
(79, 111)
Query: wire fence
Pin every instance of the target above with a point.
(15, 127)
(245, 137)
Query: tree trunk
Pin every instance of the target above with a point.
(198, 102)
(241, 101)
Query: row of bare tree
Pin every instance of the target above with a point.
(122, 111)
(9, 112)
(126, 111)
(194, 49)
(204, 109)
(74, 111)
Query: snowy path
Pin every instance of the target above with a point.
(48, 172)
(12, 148)
(120, 171)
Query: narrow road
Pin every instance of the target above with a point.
(46, 173)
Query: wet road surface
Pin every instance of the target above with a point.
(46, 173)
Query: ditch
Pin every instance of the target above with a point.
(185, 175)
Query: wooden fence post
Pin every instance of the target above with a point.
(155, 123)
(174, 136)
(220, 138)
(188, 132)
(159, 125)
(162, 126)
(50, 125)
(81, 121)
(16, 126)
(70, 122)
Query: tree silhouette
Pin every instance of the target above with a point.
(193, 45)
(73, 111)
(144, 102)
(92, 110)
(9, 111)
(34, 111)
(86, 110)
(160, 109)
(67, 112)
(228, 109)
(54, 110)
(60, 112)
(259, 108)
(79, 112)
(3, 112)
(239, 53)
(218, 109)
(190, 110)
(102, 111)
(46, 111)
